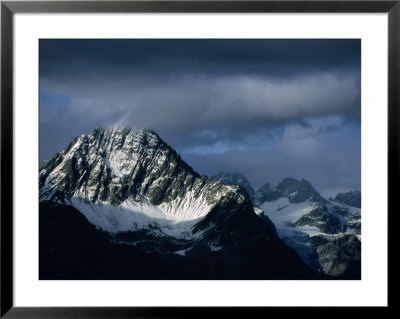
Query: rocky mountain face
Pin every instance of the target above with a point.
(296, 191)
(352, 198)
(267, 193)
(338, 256)
(236, 179)
(326, 234)
(122, 204)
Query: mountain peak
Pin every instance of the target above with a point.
(352, 198)
(98, 129)
(236, 179)
(109, 165)
(131, 171)
(267, 193)
(295, 190)
(298, 191)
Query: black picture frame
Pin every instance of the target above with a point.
(9, 8)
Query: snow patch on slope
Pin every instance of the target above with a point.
(282, 213)
(186, 208)
(113, 165)
(132, 216)
(181, 252)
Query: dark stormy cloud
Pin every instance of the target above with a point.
(265, 108)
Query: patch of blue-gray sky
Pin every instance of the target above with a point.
(265, 108)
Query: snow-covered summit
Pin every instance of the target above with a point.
(132, 172)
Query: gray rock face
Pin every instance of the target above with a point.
(321, 218)
(267, 193)
(301, 216)
(236, 179)
(337, 252)
(354, 224)
(352, 198)
(296, 191)
(338, 256)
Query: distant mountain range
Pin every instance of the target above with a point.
(352, 198)
(122, 204)
(325, 233)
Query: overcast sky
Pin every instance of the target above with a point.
(268, 109)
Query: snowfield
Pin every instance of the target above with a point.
(132, 216)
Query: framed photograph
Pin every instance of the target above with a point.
(173, 158)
